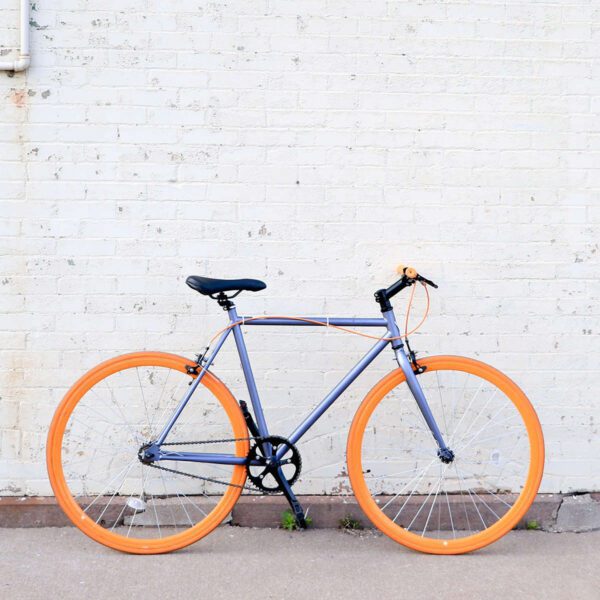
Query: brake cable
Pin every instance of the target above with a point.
(417, 368)
(338, 327)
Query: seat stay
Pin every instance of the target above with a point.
(195, 383)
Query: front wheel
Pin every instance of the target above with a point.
(439, 507)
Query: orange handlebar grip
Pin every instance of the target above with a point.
(408, 271)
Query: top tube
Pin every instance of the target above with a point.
(338, 321)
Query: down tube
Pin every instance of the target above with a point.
(338, 390)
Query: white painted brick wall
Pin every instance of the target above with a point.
(315, 145)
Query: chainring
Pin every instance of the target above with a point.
(261, 475)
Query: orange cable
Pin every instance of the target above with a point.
(408, 307)
(340, 328)
(425, 315)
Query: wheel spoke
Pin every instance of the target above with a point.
(164, 484)
(125, 420)
(154, 428)
(453, 434)
(487, 424)
(137, 372)
(196, 506)
(125, 470)
(421, 473)
(475, 419)
(412, 492)
(422, 505)
(472, 500)
(441, 402)
(437, 491)
(450, 515)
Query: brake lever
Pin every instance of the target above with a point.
(427, 281)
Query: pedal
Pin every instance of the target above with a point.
(298, 513)
(291, 498)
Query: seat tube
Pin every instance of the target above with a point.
(248, 374)
(412, 381)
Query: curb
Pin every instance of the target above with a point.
(328, 512)
(549, 512)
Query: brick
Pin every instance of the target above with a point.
(315, 148)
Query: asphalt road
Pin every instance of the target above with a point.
(320, 564)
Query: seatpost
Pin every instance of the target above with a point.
(225, 302)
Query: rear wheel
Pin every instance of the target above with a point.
(96, 435)
(439, 507)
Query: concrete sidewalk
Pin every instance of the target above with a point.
(320, 564)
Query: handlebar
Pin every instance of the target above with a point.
(427, 281)
(409, 277)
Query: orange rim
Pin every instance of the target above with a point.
(54, 456)
(469, 543)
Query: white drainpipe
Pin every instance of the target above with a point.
(22, 62)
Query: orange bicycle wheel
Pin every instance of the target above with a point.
(93, 444)
(439, 507)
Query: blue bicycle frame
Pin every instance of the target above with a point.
(392, 336)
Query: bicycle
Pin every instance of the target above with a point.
(445, 454)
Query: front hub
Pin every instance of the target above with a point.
(445, 455)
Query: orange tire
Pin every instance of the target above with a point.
(467, 543)
(55, 465)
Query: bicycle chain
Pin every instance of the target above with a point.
(210, 479)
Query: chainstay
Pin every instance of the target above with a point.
(222, 441)
(211, 479)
